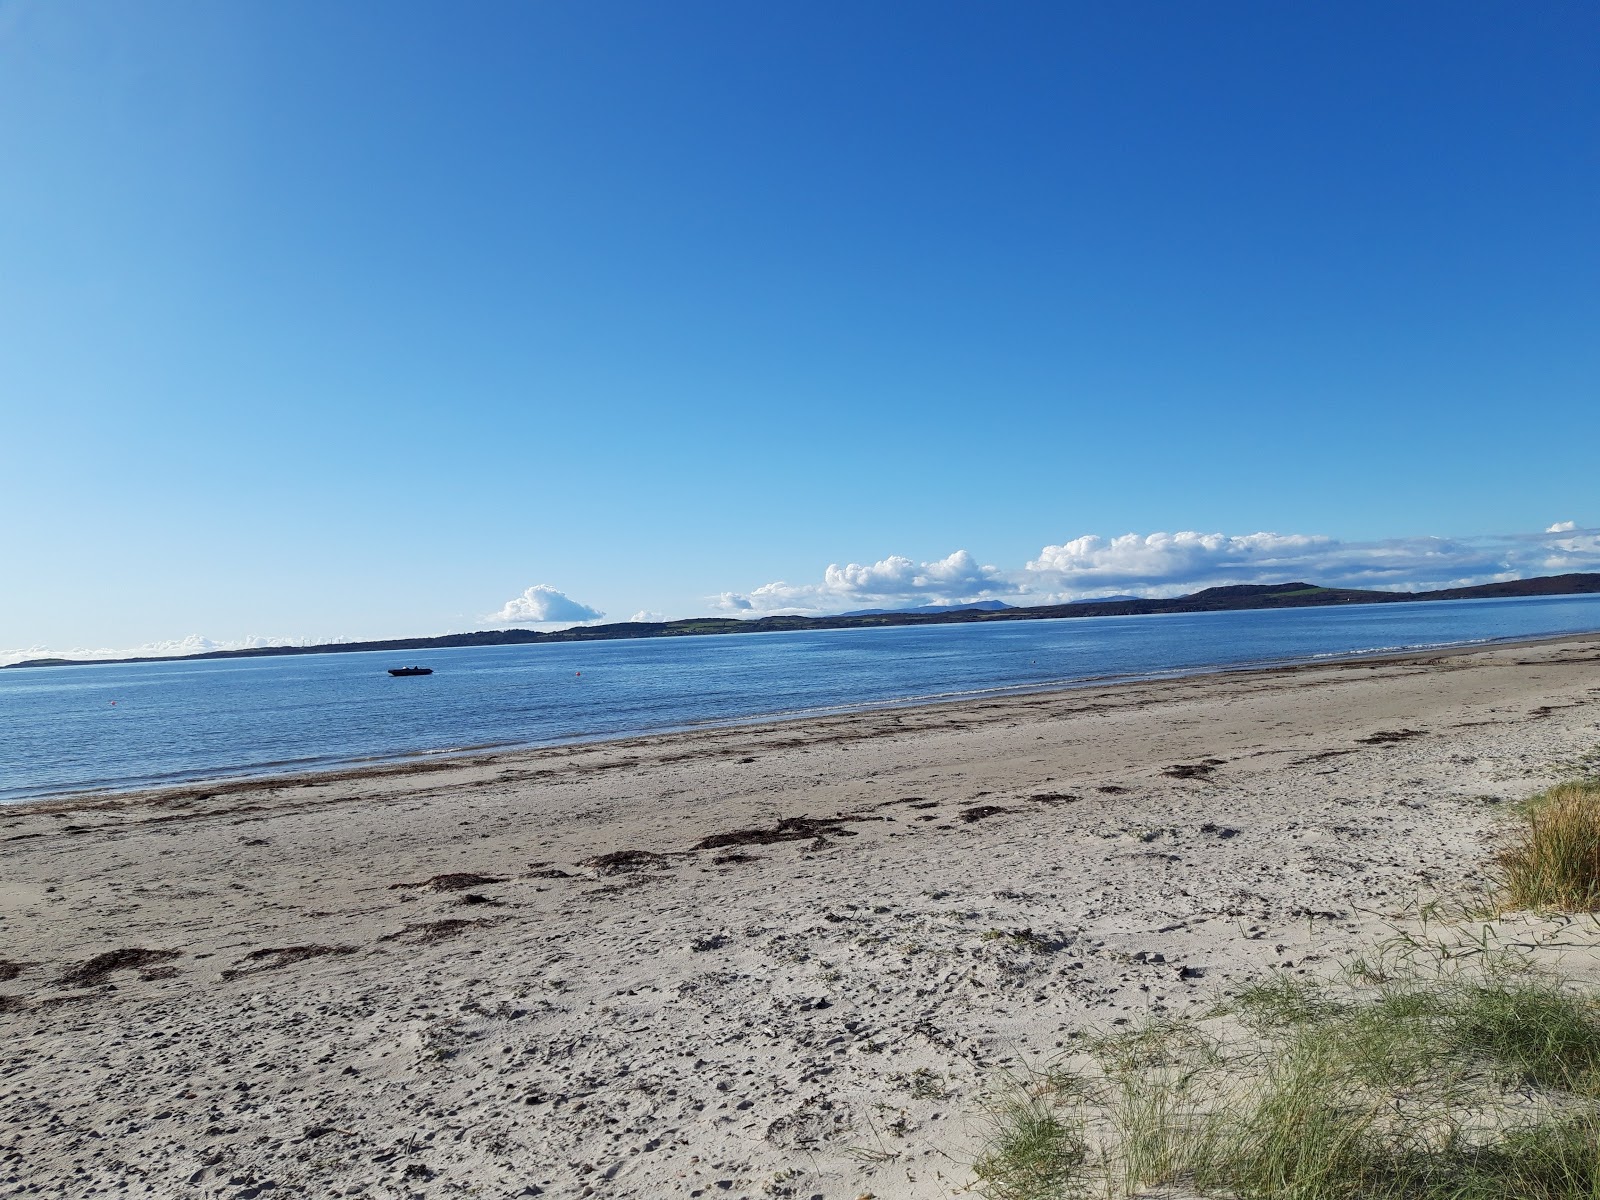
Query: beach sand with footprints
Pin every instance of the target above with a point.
(777, 960)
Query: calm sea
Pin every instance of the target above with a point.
(66, 729)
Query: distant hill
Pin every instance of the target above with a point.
(1217, 599)
(1545, 585)
(975, 606)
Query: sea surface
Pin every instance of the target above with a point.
(74, 729)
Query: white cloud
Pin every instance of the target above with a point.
(1174, 563)
(1562, 527)
(1166, 556)
(1170, 564)
(957, 578)
(542, 604)
(644, 614)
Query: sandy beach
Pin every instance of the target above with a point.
(779, 960)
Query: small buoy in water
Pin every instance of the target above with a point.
(113, 704)
(578, 674)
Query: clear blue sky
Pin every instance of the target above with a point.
(360, 319)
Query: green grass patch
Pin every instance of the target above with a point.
(1037, 1149)
(1456, 1077)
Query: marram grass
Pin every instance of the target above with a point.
(1036, 1151)
(1555, 862)
(1438, 1085)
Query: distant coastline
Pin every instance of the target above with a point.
(1218, 599)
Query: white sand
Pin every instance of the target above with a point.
(811, 1017)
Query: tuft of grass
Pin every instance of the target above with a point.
(1304, 1132)
(1283, 1001)
(1533, 1032)
(1555, 862)
(1461, 1076)
(1550, 1161)
(1039, 1147)
(1157, 1080)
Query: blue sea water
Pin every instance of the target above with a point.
(68, 729)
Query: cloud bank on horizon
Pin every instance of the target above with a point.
(1172, 564)
(174, 648)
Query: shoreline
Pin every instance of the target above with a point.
(409, 762)
(776, 961)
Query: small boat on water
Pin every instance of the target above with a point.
(411, 670)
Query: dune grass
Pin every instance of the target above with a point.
(1555, 861)
(1440, 1083)
(1447, 1087)
(1429, 1073)
(1037, 1150)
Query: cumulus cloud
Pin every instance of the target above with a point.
(1173, 563)
(1170, 564)
(1157, 557)
(644, 614)
(542, 604)
(955, 579)
(1562, 527)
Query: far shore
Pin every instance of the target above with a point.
(784, 959)
(1230, 598)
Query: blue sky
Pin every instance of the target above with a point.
(364, 320)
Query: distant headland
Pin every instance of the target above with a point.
(1215, 599)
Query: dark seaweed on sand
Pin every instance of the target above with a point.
(789, 829)
(1387, 737)
(620, 862)
(132, 958)
(273, 958)
(459, 881)
(1199, 770)
(433, 931)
